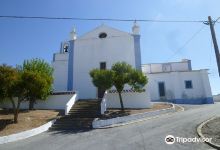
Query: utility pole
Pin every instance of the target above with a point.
(211, 24)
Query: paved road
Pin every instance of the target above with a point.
(148, 135)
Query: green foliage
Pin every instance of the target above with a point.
(102, 78)
(37, 65)
(8, 81)
(29, 82)
(137, 80)
(37, 85)
(120, 74)
(11, 86)
(38, 79)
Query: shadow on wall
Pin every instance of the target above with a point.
(195, 101)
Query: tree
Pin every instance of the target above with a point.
(121, 77)
(120, 74)
(125, 74)
(38, 78)
(11, 86)
(102, 78)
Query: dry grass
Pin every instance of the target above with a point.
(112, 113)
(26, 120)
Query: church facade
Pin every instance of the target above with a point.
(103, 46)
(100, 48)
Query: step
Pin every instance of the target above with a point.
(72, 121)
(73, 125)
(75, 118)
(84, 112)
(85, 105)
(84, 108)
(80, 115)
(89, 102)
(69, 129)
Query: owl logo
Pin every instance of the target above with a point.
(169, 139)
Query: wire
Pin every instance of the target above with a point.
(101, 19)
(187, 42)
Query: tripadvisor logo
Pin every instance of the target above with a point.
(169, 139)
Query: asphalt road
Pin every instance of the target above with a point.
(148, 135)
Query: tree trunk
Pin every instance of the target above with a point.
(17, 111)
(31, 104)
(121, 102)
(16, 116)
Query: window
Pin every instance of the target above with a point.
(102, 35)
(188, 84)
(103, 65)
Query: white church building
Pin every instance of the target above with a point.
(103, 46)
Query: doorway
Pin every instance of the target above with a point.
(101, 91)
(161, 87)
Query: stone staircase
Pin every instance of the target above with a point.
(80, 116)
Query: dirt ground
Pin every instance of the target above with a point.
(112, 113)
(26, 120)
(212, 130)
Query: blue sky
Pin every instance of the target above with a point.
(24, 39)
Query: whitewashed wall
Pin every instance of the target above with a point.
(53, 102)
(90, 50)
(216, 98)
(60, 74)
(184, 65)
(130, 99)
(175, 85)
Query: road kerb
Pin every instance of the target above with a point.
(140, 120)
(199, 132)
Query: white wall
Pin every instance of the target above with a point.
(53, 102)
(130, 99)
(216, 98)
(60, 74)
(90, 50)
(175, 85)
(184, 65)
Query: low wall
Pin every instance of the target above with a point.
(103, 103)
(131, 99)
(216, 98)
(56, 101)
(26, 134)
(70, 103)
(98, 123)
